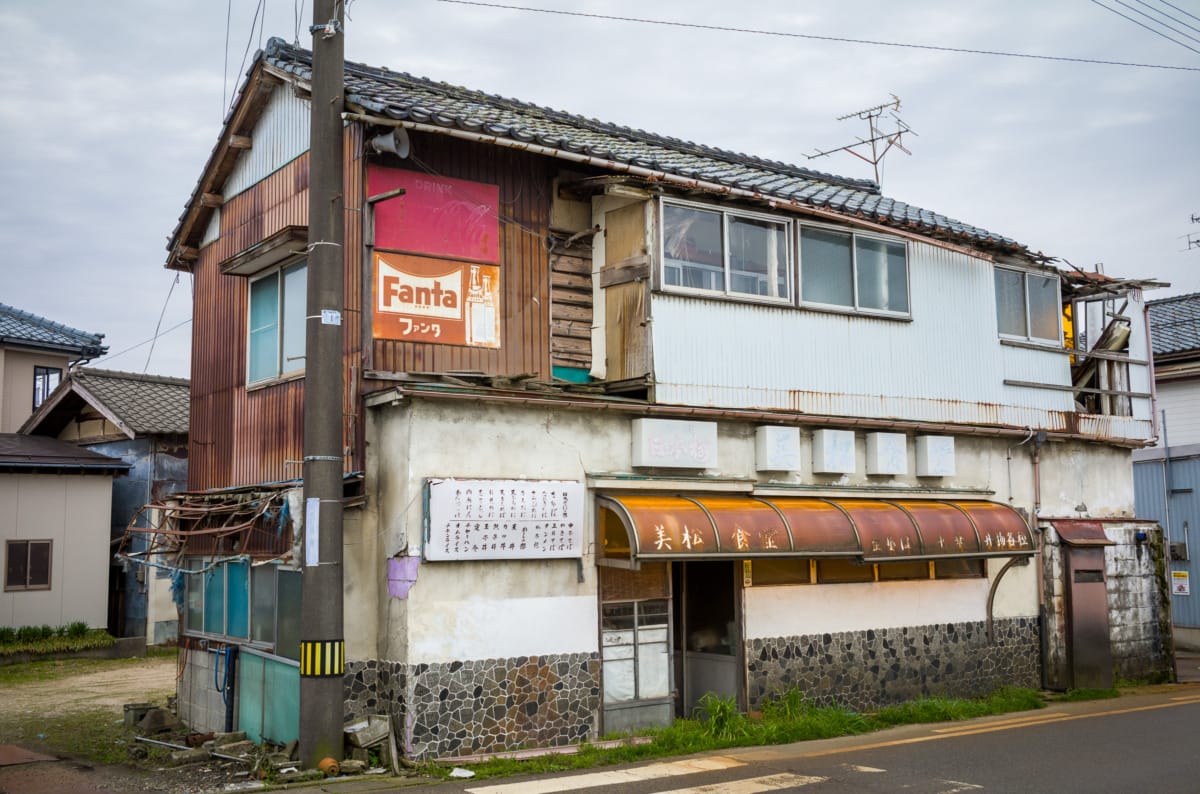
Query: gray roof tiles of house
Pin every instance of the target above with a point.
(22, 453)
(404, 97)
(30, 330)
(1175, 324)
(147, 404)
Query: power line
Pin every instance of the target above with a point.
(841, 39)
(1141, 25)
(158, 325)
(1168, 16)
(1180, 10)
(131, 348)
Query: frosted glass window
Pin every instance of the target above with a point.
(214, 600)
(1027, 305)
(262, 604)
(847, 269)
(636, 651)
(237, 595)
(287, 621)
(1044, 309)
(826, 275)
(882, 276)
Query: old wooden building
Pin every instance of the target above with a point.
(628, 419)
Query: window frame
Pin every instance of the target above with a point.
(637, 647)
(41, 375)
(856, 308)
(196, 574)
(29, 544)
(280, 370)
(790, 253)
(1028, 336)
(926, 569)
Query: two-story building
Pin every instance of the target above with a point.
(629, 419)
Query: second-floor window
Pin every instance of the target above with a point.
(732, 253)
(45, 381)
(276, 323)
(846, 269)
(1027, 305)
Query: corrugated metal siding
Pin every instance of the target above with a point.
(280, 136)
(524, 182)
(1181, 401)
(213, 230)
(1152, 496)
(946, 364)
(242, 437)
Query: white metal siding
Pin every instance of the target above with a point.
(947, 364)
(280, 136)
(1181, 401)
(213, 230)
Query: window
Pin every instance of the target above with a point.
(725, 252)
(863, 273)
(45, 381)
(27, 565)
(636, 656)
(236, 601)
(1027, 305)
(277, 328)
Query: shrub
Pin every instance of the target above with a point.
(76, 630)
(7, 635)
(722, 719)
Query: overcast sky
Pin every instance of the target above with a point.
(110, 111)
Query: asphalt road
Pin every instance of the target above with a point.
(1138, 743)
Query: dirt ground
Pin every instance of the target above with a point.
(145, 680)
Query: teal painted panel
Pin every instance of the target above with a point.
(281, 690)
(237, 591)
(214, 600)
(250, 696)
(572, 374)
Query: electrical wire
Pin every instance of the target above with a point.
(110, 357)
(840, 39)
(260, 8)
(1141, 25)
(161, 314)
(1168, 16)
(1180, 10)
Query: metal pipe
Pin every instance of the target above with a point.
(992, 595)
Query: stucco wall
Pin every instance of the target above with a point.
(72, 511)
(16, 384)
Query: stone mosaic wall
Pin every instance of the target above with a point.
(482, 706)
(866, 669)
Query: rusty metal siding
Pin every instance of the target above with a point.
(241, 437)
(946, 364)
(525, 184)
(280, 135)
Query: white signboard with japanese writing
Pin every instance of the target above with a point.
(504, 520)
(1180, 583)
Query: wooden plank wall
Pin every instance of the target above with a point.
(571, 303)
(525, 192)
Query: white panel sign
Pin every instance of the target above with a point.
(833, 452)
(777, 448)
(674, 443)
(504, 519)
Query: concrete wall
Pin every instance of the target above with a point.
(1139, 611)
(462, 629)
(72, 511)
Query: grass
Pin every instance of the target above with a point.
(66, 639)
(1076, 695)
(789, 717)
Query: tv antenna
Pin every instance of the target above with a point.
(879, 142)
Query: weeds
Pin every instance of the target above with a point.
(1076, 695)
(722, 719)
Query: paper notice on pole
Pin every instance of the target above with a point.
(312, 531)
(1180, 583)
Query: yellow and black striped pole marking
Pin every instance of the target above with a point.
(322, 658)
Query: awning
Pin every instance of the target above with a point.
(659, 527)
(1078, 532)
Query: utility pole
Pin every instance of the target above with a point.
(322, 639)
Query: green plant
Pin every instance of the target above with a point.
(1076, 695)
(76, 630)
(722, 720)
(8, 635)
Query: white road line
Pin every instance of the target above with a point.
(751, 785)
(857, 768)
(959, 787)
(612, 777)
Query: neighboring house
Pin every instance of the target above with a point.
(630, 419)
(54, 506)
(35, 354)
(1167, 475)
(142, 420)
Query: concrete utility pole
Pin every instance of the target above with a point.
(322, 642)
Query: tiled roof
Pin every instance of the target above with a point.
(146, 404)
(30, 330)
(404, 97)
(1175, 324)
(19, 453)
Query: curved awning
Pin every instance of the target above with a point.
(661, 527)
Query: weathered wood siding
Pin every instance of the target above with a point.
(525, 185)
(571, 304)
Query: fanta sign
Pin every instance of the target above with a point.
(423, 296)
(423, 299)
